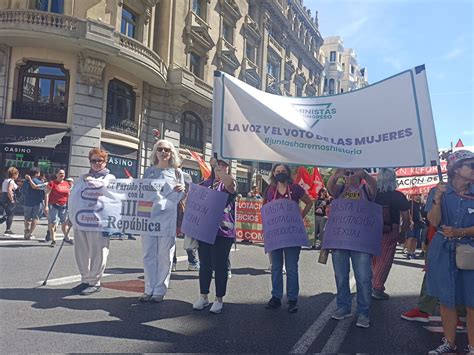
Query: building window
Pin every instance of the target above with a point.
(228, 32)
(195, 65)
(253, 11)
(192, 132)
(129, 22)
(299, 91)
(56, 6)
(273, 64)
(43, 92)
(197, 8)
(250, 53)
(332, 56)
(352, 69)
(331, 86)
(121, 108)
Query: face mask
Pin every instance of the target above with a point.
(281, 177)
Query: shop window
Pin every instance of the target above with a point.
(128, 26)
(121, 109)
(42, 93)
(56, 6)
(192, 132)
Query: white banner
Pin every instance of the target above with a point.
(138, 206)
(387, 124)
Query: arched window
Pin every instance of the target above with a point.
(42, 92)
(192, 132)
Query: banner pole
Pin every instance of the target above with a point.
(440, 173)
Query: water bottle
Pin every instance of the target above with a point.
(323, 256)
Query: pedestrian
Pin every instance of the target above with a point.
(158, 248)
(394, 205)
(9, 199)
(91, 248)
(216, 256)
(33, 192)
(282, 187)
(193, 262)
(417, 224)
(352, 189)
(321, 208)
(56, 199)
(451, 212)
(253, 193)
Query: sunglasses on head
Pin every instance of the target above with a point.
(471, 165)
(97, 161)
(161, 149)
(349, 173)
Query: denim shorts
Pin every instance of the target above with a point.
(57, 214)
(445, 281)
(32, 212)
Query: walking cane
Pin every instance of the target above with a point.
(57, 255)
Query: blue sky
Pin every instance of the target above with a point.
(390, 36)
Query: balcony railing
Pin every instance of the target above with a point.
(40, 111)
(31, 18)
(127, 127)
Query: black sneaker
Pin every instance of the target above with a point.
(273, 303)
(131, 237)
(292, 306)
(8, 231)
(69, 241)
(53, 244)
(48, 236)
(79, 288)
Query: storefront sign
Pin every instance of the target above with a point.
(194, 173)
(11, 149)
(122, 167)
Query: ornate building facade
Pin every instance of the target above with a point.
(342, 70)
(120, 73)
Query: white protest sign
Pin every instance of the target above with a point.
(139, 206)
(387, 124)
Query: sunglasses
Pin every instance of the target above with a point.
(349, 173)
(166, 150)
(97, 161)
(470, 165)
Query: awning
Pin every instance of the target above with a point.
(38, 137)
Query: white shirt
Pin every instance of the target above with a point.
(7, 182)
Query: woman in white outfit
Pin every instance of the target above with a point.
(159, 247)
(92, 247)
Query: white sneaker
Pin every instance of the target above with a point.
(229, 274)
(217, 307)
(201, 303)
(173, 267)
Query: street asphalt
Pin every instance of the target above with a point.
(48, 319)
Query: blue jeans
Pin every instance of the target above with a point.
(292, 255)
(361, 263)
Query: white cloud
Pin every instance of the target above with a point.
(468, 133)
(454, 53)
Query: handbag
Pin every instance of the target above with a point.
(465, 257)
(190, 243)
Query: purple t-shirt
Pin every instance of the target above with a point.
(227, 226)
(294, 190)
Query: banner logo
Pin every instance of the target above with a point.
(312, 114)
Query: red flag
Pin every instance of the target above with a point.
(129, 175)
(318, 183)
(303, 179)
(459, 144)
(205, 171)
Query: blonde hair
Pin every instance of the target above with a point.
(174, 161)
(12, 171)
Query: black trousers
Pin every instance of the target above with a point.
(214, 257)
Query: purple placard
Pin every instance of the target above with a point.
(354, 225)
(283, 225)
(203, 213)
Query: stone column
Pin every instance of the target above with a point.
(4, 69)
(88, 111)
